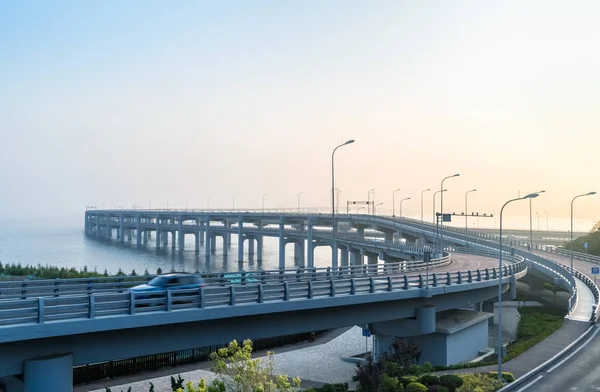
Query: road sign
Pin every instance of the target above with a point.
(595, 270)
(585, 245)
(366, 332)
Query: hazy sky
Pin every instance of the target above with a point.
(121, 102)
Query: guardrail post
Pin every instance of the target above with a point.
(328, 272)
(56, 288)
(243, 279)
(40, 311)
(298, 272)
(231, 295)
(390, 285)
(222, 279)
(478, 275)
(260, 293)
(448, 279)
(202, 297)
(286, 291)
(314, 272)
(371, 285)
(405, 282)
(331, 288)
(310, 289)
(281, 279)
(495, 274)
(459, 276)
(169, 302)
(435, 280)
(420, 281)
(262, 276)
(91, 306)
(24, 290)
(470, 277)
(487, 274)
(131, 303)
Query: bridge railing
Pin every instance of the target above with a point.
(56, 287)
(44, 310)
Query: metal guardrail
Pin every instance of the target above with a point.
(59, 287)
(43, 310)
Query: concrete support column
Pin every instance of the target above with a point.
(356, 257)
(121, 229)
(49, 374)
(197, 241)
(344, 259)
(207, 241)
(299, 253)
(488, 307)
(240, 241)
(389, 236)
(372, 259)
(181, 235)
(173, 242)
(158, 231)
(281, 246)
(201, 233)
(213, 243)
(334, 255)
(145, 237)
(129, 235)
(251, 246)
(138, 232)
(225, 247)
(259, 248)
(360, 233)
(310, 247)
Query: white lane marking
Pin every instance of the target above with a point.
(575, 352)
(530, 384)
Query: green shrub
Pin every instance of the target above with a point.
(408, 379)
(437, 388)
(478, 382)
(391, 384)
(416, 387)
(508, 377)
(429, 379)
(330, 388)
(451, 381)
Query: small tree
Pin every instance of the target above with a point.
(238, 372)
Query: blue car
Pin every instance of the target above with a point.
(157, 287)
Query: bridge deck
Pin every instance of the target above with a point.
(585, 302)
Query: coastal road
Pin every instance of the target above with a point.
(576, 372)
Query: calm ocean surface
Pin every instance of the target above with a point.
(64, 244)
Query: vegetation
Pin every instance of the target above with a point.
(395, 372)
(52, 272)
(593, 240)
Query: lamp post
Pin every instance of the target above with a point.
(233, 203)
(424, 190)
(394, 202)
(442, 208)
(435, 193)
(531, 226)
(584, 194)
(299, 193)
(263, 202)
(499, 348)
(333, 244)
(375, 208)
(407, 198)
(369, 199)
(466, 210)
(546, 211)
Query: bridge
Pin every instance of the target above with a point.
(47, 328)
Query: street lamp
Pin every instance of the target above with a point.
(499, 349)
(435, 193)
(585, 194)
(233, 203)
(408, 198)
(263, 204)
(442, 209)
(394, 202)
(369, 198)
(424, 190)
(546, 211)
(333, 244)
(531, 226)
(375, 207)
(299, 201)
(466, 211)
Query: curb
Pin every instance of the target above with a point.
(527, 376)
